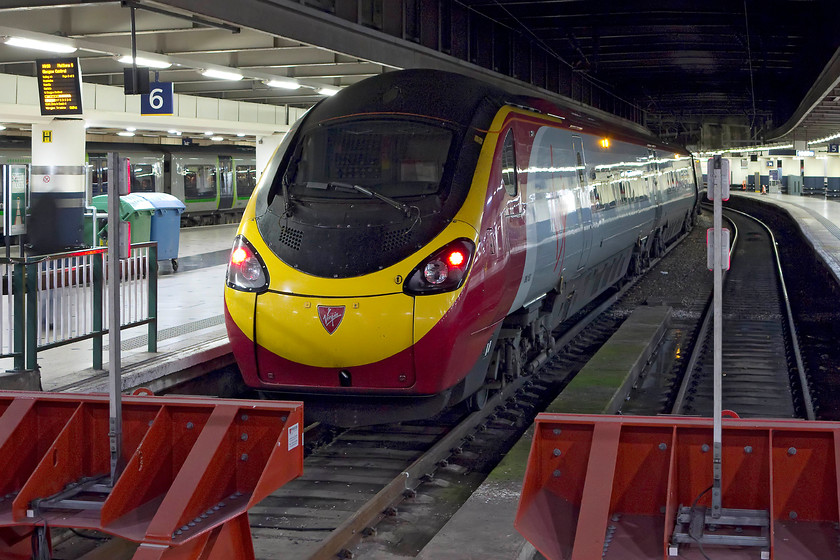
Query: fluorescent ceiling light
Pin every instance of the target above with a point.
(208, 133)
(217, 138)
(2, 127)
(147, 62)
(130, 128)
(125, 133)
(327, 91)
(221, 74)
(175, 132)
(285, 84)
(240, 134)
(48, 46)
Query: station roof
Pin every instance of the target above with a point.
(671, 65)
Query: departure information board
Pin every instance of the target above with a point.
(60, 86)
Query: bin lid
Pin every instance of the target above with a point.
(128, 203)
(161, 201)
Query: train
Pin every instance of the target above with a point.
(415, 240)
(214, 182)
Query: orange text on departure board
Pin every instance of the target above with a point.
(60, 87)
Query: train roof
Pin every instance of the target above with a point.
(455, 98)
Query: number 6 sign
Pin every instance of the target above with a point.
(159, 100)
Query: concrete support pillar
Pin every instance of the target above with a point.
(266, 145)
(813, 181)
(739, 173)
(832, 174)
(753, 167)
(58, 185)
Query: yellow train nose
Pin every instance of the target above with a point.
(334, 332)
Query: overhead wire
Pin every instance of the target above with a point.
(752, 79)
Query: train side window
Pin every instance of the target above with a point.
(509, 164)
(98, 175)
(200, 182)
(142, 178)
(246, 180)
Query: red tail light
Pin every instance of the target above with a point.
(246, 270)
(443, 271)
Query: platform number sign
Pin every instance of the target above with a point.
(834, 148)
(159, 100)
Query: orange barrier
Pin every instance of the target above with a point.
(193, 467)
(611, 486)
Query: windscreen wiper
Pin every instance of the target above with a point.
(406, 209)
(287, 198)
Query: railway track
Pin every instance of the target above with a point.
(763, 374)
(815, 301)
(361, 476)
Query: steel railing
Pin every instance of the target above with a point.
(53, 300)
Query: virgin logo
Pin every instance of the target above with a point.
(330, 317)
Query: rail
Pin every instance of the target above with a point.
(58, 299)
(786, 320)
(697, 352)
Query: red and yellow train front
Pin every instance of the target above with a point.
(333, 289)
(355, 335)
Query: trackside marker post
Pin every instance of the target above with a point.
(718, 191)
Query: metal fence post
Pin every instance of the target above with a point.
(98, 281)
(152, 279)
(31, 346)
(19, 294)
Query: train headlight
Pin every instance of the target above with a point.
(246, 270)
(443, 271)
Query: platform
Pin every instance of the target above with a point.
(190, 322)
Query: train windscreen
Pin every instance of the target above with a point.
(395, 158)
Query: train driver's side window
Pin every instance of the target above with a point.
(509, 164)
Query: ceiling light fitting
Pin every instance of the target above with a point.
(221, 74)
(146, 62)
(285, 84)
(49, 46)
(327, 91)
